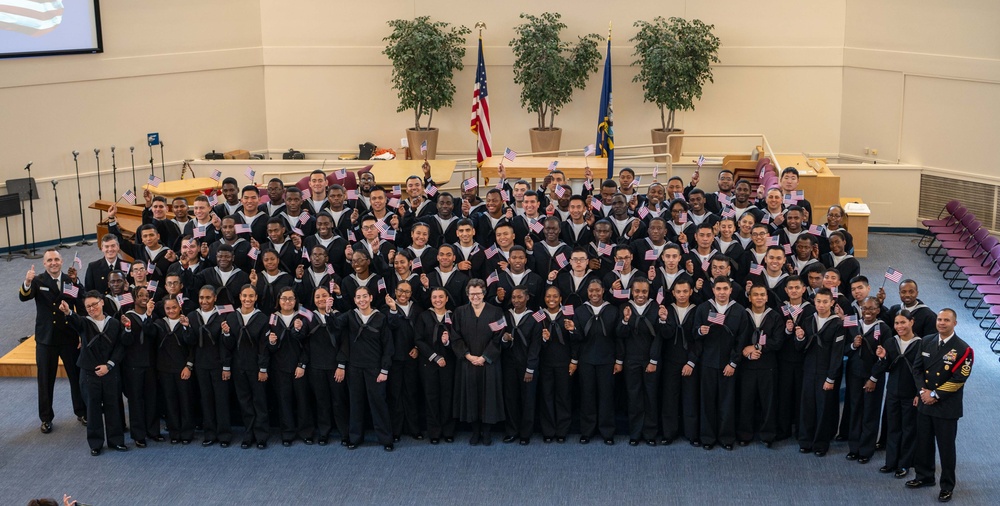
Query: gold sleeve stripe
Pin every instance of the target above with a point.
(951, 386)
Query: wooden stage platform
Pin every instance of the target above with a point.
(20, 362)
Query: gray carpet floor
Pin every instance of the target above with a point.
(34, 465)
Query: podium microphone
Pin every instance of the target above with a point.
(58, 222)
(114, 170)
(79, 198)
(131, 151)
(28, 167)
(97, 155)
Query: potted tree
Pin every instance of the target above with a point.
(675, 59)
(425, 56)
(548, 70)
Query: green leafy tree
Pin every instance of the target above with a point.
(675, 59)
(425, 56)
(549, 69)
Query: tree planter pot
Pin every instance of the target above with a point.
(660, 136)
(545, 140)
(415, 137)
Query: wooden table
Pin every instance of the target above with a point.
(396, 171)
(187, 189)
(529, 167)
(857, 224)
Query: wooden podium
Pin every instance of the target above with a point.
(187, 189)
(396, 171)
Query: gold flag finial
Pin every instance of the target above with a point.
(480, 26)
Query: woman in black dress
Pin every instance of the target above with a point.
(478, 329)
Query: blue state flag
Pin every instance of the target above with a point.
(605, 119)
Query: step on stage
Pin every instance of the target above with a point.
(20, 362)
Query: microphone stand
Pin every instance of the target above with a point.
(152, 168)
(163, 168)
(58, 222)
(114, 169)
(32, 254)
(79, 199)
(97, 155)
(131, 150)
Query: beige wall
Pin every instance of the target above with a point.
(922, 83)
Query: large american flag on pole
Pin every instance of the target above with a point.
(30, 17)
(481, 111)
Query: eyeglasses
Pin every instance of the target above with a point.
(400, 290)
(368, 227)
(475, 294)
(758, 234)
(287, 299)
(93, 305)
(577, 259)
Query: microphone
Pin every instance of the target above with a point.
(97, 151)
(112, 148)
(75, 154)
(28, 167)
(131, 149)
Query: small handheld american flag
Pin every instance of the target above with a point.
(305, 255)
(561, 260)
(447, 318)
(306, 194)
(492, 278)
(76, 261)
(619, 266)
(253, 253)
(150, 268)
(151, 287)
(595, 204)
(851, 321)
(538, 315)
(352, 194)
(198, 232)
(307, 314)
(509, 154)
(242, 228)
(129, 196)
(729, 212)
(224, 309)
(417, 263)
(643, 212)
(537, 226)
(620, 294)
(498, 325)
(588, 184)
(125, 298)
(329, 269)
(682, 218)
(701, 160)
(304, 217)
(560, 191)
(154, 181)
(250, 173)
(659, 296)
(381, 285)
(589, 150)
(396, 190)
(274, 320)
(213, 200)
(393, 202)
(423, 147)
(180, 299)
(650, 255)
(772, 240)
(216, 175)
(656, 171)
(469, 184)
(342, 173)
(878, 333)
(725, 199)
(431, 190)
(603, 249)
(679, 196)
(553, 165)
(893, 275)
(717, 318)
(492, 251)
(763, 340)
(125, 266)
(636, 181)
(568, 310)
(71, 290)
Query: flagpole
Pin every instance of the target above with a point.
(479, 26)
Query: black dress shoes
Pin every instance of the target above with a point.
(308, 441)
(650, 442)
(666, 441)
(246, 444)
(159, 438)
(695, 442)
(208, 442)
(840, 438)
(286, 443)
(418, 436)
(728, 447)
(886, 469)
(917, 483)
(708, 446)
(610, 441)
(561, 439)
(509, 439)
(435, 440)
(864, 460)
(524, 441)
(820, 453)
(879, 446)
(768, 444)
(352, 446)
(944, 496)
(323, 441)
(487, 440)
(852, 456)
(174, 441)
(901, 473)
(140, 443)
(744, 443)
(261, 445)
(82, 420)
(475, 440)
(396, 439)
(584, 440)
(224, 444)
(805, 450)
(46, 427)
(547, 439)
(389, 447)
(449, 439)
(95, 452)
(633, 442)
(185, 441)
(121, 448)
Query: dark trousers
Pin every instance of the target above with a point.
(102, 396)
(47, 360)
(140, 389)
(363, 386)
(252, 398)
(177, 394)
(866, 409)
(757, 392)
(403, 389)
(844, 422)
(555, 402)
(788, 396)
(214, 397)
(679, 402)
(518, 400)
(931, 429)
(718, 407)
(439, 388)
(818, 417)
(331, 402)
(597, 399)
(643, 401)
(901, 435)
(294, 406)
